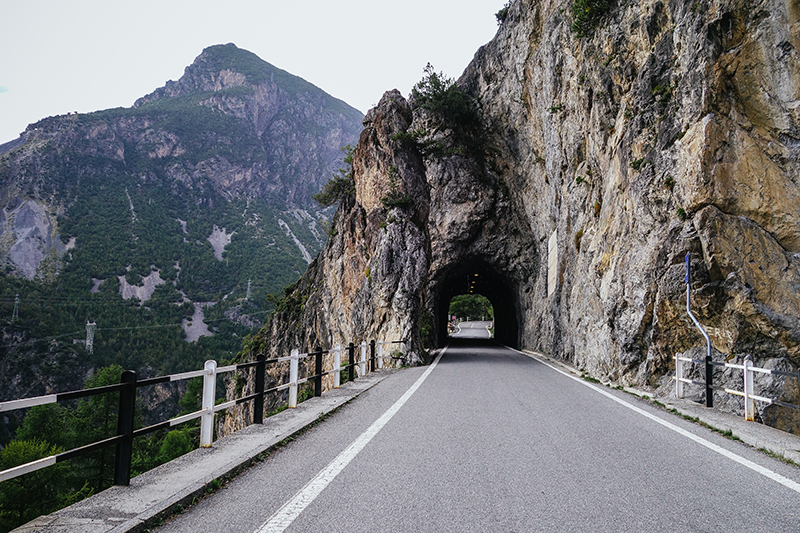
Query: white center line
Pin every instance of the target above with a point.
(287, 514)
(786, 482)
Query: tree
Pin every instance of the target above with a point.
(97, 420)
(471, 305)
(341, 185)
(25, 497)
(176, 443)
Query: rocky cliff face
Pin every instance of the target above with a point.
(672, 127)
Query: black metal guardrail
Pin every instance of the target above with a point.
(127, 401)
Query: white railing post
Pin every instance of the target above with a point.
(294, 362)
(380, 354)
(749, 403)
(678, 376)
(362, 363)
(209, 393)
(337, 364)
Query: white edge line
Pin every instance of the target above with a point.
(786, 482)
(283, 517)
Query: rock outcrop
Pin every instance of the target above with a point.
(672, 127)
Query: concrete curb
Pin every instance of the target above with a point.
(167, 489)
(775, 441)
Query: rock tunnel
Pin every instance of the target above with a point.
(477, 274)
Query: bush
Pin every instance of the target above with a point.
(341, 185)
(503, 13)
(395, 197)
(586, 15)
(452, 112)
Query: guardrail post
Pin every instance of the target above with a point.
(351, 361)
(293, 364)
(127, 409)
(258, 404)
(372, 355)
(209, 396)
(709, 368)
(678, 376)
(709, 382)
(337, 364)
(318, 372)
(362, 363)
(380, 354)
(749, 403)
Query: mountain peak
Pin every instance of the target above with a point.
(225, 66)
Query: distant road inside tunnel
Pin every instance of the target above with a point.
(473, 330)
(490, 440)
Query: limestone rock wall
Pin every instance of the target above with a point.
(673, 128)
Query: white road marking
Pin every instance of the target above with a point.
(287, 514)
(786, 482)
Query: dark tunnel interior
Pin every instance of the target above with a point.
(479, 277)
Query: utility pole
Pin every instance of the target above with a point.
(90, 327)
(248, 290)
(15, 313)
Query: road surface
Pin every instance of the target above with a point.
(490, 440)
(473, 330)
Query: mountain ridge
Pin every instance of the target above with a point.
(198, 194)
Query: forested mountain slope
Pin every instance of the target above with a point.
(156, 221)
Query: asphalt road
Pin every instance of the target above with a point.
(473, 330)
(493, 440)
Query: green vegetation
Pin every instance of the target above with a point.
(682, 214)
(54, 428)
(451, 112)
(669, 182)
(395, 197)
(503, 13)
(663, 93)
(637, 164)
(586, 15)
(471, 305)
(341, 185)
(590, 379)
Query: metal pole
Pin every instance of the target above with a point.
(678, 376)
(337, 366)
(351, 361)
(258, 405)
(380, 354)
(209, 394)
(293, 368)
(362, 363)
(318, 372)
(372, 355)
(709, 367)
(125, 420)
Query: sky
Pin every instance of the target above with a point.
(61, 56)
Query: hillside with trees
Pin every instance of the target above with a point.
(167, 224)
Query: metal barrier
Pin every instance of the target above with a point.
(127, 401)
(747, 368)
(748, 390)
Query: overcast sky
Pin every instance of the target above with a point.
(60, 56)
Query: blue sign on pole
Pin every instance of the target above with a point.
(688, 267)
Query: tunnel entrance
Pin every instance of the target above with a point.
(475, 276)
